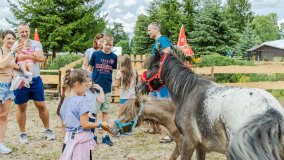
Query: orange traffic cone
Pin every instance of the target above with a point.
(36, 38)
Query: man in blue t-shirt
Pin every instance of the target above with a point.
(165, 45)
(101, 65)
(154, 32)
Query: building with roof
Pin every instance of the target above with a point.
(269, 49)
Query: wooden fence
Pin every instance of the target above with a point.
(138, 64)
(58, 78)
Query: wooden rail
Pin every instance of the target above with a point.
(58, 78)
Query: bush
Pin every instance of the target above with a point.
(277, 92)
(62, 60)
(234, 78)
(79, 65)
(220, 60)
(277, 59)
(265, 59)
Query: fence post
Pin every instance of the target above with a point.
(132, 58)
(138, 62)
(59, 87)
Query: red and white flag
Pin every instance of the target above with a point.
(182, 44)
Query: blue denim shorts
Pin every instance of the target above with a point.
(122, 101)
(5, 92)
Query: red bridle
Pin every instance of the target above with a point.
(158, 75)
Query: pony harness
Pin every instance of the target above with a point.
(158, 75)
(131, 123)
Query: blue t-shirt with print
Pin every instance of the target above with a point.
(71, 109)
(103, 66)
(164, 42)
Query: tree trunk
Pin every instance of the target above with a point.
(53, 54)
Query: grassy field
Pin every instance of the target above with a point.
(139, 146)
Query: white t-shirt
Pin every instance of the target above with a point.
(89, 52)
(91, 100)
(130, 92)
(36, 46)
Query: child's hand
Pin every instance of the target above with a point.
(17, 49)
(105, 126)
(98, 87)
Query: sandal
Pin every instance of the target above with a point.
(166, 139)
(151, 131)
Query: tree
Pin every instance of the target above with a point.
(117, 32)
(266, 27)
(189, 13)
(248, 40)
(126, 48)
(141, 40)
(62, 25)
(212, 32)
(282, 30)
(239, 12)
(170, 17)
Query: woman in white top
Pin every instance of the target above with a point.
(7, 65)
(97, 45)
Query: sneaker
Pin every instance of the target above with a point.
(127, 133)
(96, 139)
(49, 134)
(28, 74)
(118, 135)
(17, 83)
(106, 140)
(24, 138)
(4, 149)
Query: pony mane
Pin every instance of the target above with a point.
(179, 79)
(130, 107)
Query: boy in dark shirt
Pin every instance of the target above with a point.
(101, 65)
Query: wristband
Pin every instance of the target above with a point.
(100, 124)
(13, 53)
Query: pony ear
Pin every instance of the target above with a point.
(157, 53)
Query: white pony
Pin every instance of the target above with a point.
(243, 123)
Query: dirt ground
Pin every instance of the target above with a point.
(139, 146)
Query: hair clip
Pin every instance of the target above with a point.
(72, 69)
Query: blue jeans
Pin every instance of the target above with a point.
(163, 93)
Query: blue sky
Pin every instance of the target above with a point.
(126, 11)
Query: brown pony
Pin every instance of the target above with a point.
(157, 110)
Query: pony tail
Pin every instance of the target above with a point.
(60, 102)
(259, 139)
(64, 88)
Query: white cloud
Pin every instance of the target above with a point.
(280, 21)
(128, 16)
(112, 5)
(264, 3)
(4, 24)
(118, 20)
(129, 3)
(118, 10)
(141, 10)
